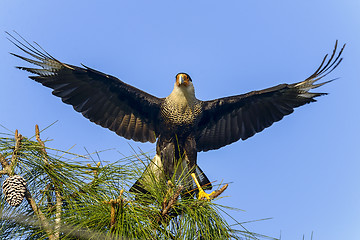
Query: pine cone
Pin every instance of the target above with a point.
(14, 189)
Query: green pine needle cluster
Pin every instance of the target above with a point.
(69, 196)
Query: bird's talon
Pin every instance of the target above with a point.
(204, 195)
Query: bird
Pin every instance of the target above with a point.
(180, 124)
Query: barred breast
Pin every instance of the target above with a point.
(181, 113)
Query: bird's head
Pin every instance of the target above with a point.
(184, 87)
(183, 79)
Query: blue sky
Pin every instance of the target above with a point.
(303, 171)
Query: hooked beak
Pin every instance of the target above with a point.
(181, 79)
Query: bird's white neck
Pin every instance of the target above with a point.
(183, 95)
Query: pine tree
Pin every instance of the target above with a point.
(53, 194)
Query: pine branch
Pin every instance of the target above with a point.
(14, 156)
(172, 201)
(42, 144)
(57, 192)
(5, 165)
(58, 214)
(9, 170)
(218, 192)
(70, 200)
(43, 220)
(113, 203)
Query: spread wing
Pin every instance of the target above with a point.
(103, 99)
(229, 119)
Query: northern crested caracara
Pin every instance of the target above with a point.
(181, 124)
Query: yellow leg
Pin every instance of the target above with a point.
(202, 194)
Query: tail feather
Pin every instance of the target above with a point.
(153, 171)
(202, 178)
